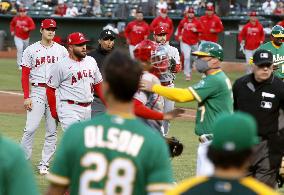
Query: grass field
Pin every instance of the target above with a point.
(11, 125)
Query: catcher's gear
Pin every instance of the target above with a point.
(160, 60)
(277, 31)
(144, 50)
(208, 48)
(173, 65)
(175, 146)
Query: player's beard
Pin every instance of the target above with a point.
(80, 54)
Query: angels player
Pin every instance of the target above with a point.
(37, 61)
(75, 77)
(167, 78)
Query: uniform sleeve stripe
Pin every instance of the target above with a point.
(187, 184)
(257, 187)
(159, 187)
(57, 179)
(197, 97)
(98, 82)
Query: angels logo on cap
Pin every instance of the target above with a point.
(76, 38)
(48, 23)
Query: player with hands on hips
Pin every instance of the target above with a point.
(150, 106)
(37, 61)
(76, 77)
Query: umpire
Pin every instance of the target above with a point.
(262, 95)
(105, 47)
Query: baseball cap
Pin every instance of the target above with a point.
(76, 38)
(160, 30)
(48, 23)
(164, 10)
(234, 132)
(252, 13)
(262, 56)
(209, 8)
(107, 33)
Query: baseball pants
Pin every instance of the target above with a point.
(204, 166)
(248, 54)
(186, 50)
(131, 49)
(168, 106)
(40, 108)
(21, 45)
(69, 114)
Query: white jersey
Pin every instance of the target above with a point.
(40, 60)
(75, 80)
(173, 53)
(151, 100)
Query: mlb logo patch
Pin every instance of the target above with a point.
(263, 55)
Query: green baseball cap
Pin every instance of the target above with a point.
(234, 132)
(208, 48)
(277, 31)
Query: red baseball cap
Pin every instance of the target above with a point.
(253, 13)
(22, 9)
(160, 30)
(190, 10)
(76, 38)
(48, 23)
(164, 11)
(210, 8)
(58, 39)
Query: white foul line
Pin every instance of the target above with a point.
(12, 93)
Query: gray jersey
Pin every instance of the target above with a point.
(74, 80)
(151, 100)
(173, 53)
(40, 60)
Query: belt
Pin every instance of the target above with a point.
(86, 104)
(205, 138)
(39, 84)
(166, 83)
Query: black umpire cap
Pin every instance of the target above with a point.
(262, 57)
(107, 34)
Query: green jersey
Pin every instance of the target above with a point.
(214, 96)
(16, 175)
(278, 57)
(112, 155)
(217, 186)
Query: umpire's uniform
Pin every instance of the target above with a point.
(263, 100)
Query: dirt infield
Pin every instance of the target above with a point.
(11, 104)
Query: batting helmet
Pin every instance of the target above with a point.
(277, 31)
(161, 29)
(212, 49)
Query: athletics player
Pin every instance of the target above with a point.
(167, 77)
(114, 153)
(150, 106)
(76, 77)
(20, 27)
(213, 94)
(37, 61)
(230, 151)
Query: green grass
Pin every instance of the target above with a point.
(10, 76)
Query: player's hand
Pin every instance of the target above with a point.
(28, 104)
(173, 114)
(194, 29)
(212, 30)
(26, 29)
(55, 116)
(128, 41)
(180, 38)
(12, 33)
(146, 85)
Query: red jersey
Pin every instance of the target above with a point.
(167, 22)
(18, 24)
(281, 23)
(136, 31)
(252, 34)
(210, 22)
(185, 29)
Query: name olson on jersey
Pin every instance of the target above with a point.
(45, 59)
(82, 74)
(116, 139)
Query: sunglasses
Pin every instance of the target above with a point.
(108, 38)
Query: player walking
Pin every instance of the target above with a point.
(37, 61)
(114, 153)
(167, 77)
(20, 27)
(76, 77)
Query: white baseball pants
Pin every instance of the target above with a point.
(21, 45)
(186, 50)
(131, 49)
(204, 166)
(249, 54)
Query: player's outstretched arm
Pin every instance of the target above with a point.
(173, 114)
(56, 190)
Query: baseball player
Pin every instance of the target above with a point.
(188, 32)
(231, 153)
(114, 153)
(136, 31)
(277, 49)
(76, 77)
(213, 93)
(167, 78)
(163, 20)
(211, 25)
(150, 106)
(251, 37)
(20, 27)
(37, 61)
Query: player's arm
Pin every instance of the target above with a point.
(144, 112)
(31, 25)
(51, 99)
(219, 27)
(55, 189)
(99, 91)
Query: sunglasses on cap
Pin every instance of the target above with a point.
(108, 38)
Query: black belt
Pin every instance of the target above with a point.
(166, 83)
(86, 104)
(39, 84)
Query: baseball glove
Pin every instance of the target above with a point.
(172, 65)
(175, 146)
